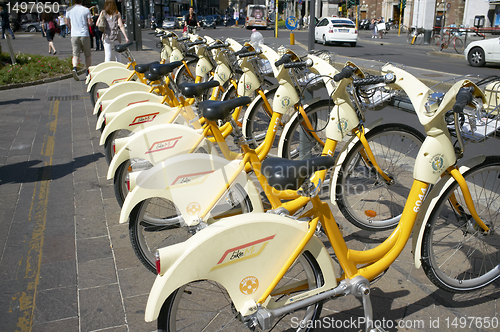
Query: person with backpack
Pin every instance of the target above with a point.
(111, 35)
(49, 29)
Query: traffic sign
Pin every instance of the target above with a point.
(291, 23)
(448, 5)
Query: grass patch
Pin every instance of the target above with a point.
(32, 67)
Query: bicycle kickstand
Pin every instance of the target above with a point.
(361, 288)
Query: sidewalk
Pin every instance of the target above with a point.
(67, 265)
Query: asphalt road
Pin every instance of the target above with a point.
(392, 48)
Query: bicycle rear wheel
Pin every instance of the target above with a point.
(299, 141)
(458, 44)
(363, 196)
(457, 255)
(157, 222)
(436, 43)
(206, 305)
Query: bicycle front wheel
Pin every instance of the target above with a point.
(258, 119)
(301, 142)
(436, 43)
(458, 44)
(419, 39)
(364, 197)
(206, 305)
(183, 76)
(157, 222)
(457, 255)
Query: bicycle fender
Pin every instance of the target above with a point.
(322, 67)
(233, 250)
(249, 111)
(176, 55)
(124, 100)
(233, 45)
(435, 155)
(248, 83)
(110, 76)
(430, 202)
(203, 67)
(286, 96)
(158, 143)
(137, 117)
(116, 90)
(222, 73)
(341, 157)
(192, 181)
(93, 70)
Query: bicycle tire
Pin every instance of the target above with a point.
(182, 309)
(462, 270)
(458, 44)
(258, 119)
(120, 178)
(299, 143)
(157, 222)
(436, 43)
(108, 144)
(182, 75)
(94, 89)
(362, 195)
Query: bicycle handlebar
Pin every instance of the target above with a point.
(213, 47)
(387, 78)
(182, 39)
(198, 42)
(244, 49)
(299, 64)
(464, 97)
(247, 54)
(284, 59)
(346, 72)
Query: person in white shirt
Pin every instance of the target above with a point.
(78, 20)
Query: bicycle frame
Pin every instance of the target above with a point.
(206, 246)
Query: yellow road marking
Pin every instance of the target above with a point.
(37, 214)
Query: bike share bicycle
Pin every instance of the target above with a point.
(247, 261)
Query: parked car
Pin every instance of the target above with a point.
(31, 27)
(207, 22)
(479, 52)
(169, 23)
(336, 30)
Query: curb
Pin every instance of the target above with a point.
(43, 81)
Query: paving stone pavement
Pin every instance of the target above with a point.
(67, 265)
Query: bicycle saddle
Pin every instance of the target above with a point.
(142, 68)
(214, 110)
(191, 90)
(283, 174)
(152, 76)
(166, 68)
(122, 47)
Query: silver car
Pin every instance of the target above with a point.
(169, 23)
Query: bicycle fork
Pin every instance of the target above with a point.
(358, 286)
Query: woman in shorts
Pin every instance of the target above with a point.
(48, 33)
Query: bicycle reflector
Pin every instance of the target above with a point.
(370, 213)
(157, 262)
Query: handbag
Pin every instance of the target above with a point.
(101, 23)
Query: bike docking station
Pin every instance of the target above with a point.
(291, 24)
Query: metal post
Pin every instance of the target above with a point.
(312, 11)
(276, 21)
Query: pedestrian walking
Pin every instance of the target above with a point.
(111, 35)
(5, 23)
(373, 27)
(97, 34)
(49, 29)
(381, 27)
(62, 25)
(78, 20)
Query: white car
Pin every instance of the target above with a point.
(479, 52)
(336, 30)
(169, 23)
